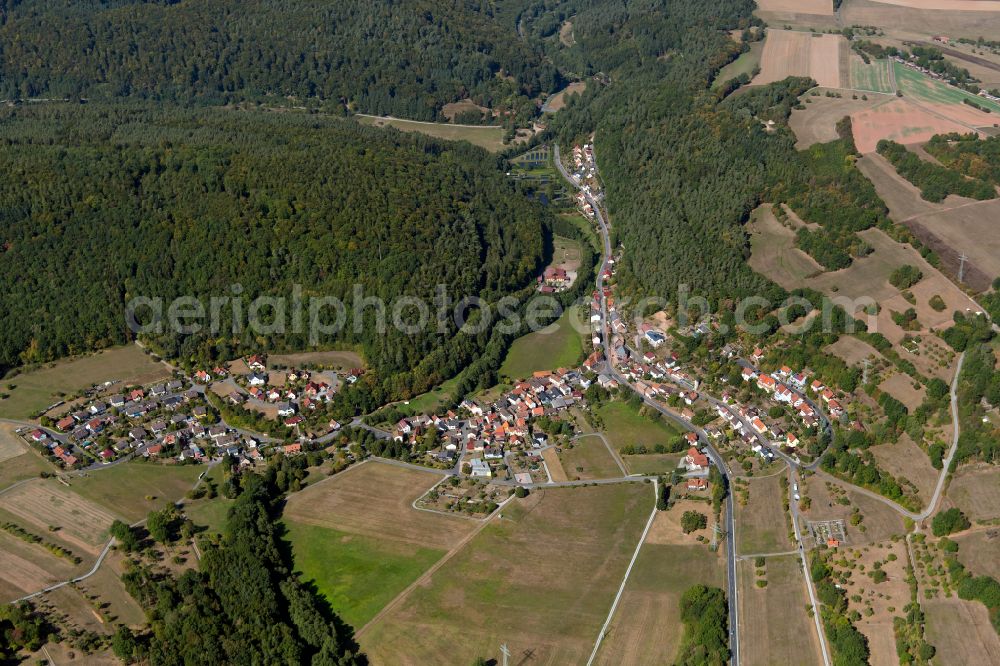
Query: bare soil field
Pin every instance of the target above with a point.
(821, 7)
(817, 122)
(27, 568)
(761, 526)
(961, 631)
(976, 491)
(772, 615)
(375, 499)
(925, 17)
(900, 387)
(541, 579)
(41, 503)
(791, 53)
(868, 278)
(773, 252)
(979, 551)
(906, 459)
(343, 360)
(853, 351)
(969, 228)
(900, 121)
(646, 628)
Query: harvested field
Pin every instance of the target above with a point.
(946, 5)
(900, 387)
(907, 460)
(539, 579)
(375, 499)
(344, 360)
(900, 195)
(35, 390)
(971, 229)
(11, 444)
(821, 7)
(489, 137)
(874, 76)
(978, 552)
(589, 459)
(817, 121)
(41, 503)
(771, 616)
(27, 568)
(790, 53)
(900, 121)
(773, 252)
(554, 465)
(976, 491)
(761, 526)
(961, 631)
(646, 628)
(923, 18)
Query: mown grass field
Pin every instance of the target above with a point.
(652, 463)
(761, 526)
(875, 76)
(357, 574)
(745, 64)
(623, 425)
(925, 89)
(559, 345)
(589, 459)
(133, 489)
(37, 389)
(540, 579)
(488, 137)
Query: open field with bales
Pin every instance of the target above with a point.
(774, 625)
(624, 426)
(792, 53)
(539, 579)
(559, 345)
(41, 504)
(761, 526)
(773, 252)
(131, 490)
(34, 390)
(375, 499)
(589, 459)
(486, 136)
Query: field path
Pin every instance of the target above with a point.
(430, 572)
(614, 454)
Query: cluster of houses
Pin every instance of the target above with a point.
(148, 421)
(480, 435)
(584, 172)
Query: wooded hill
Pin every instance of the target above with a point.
(99, 205)
(404, 58)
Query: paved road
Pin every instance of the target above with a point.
(717, 459)
(793, 480)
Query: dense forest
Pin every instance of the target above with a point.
(935, 181)
(405, 58)
(100, 205)
(968, 154)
